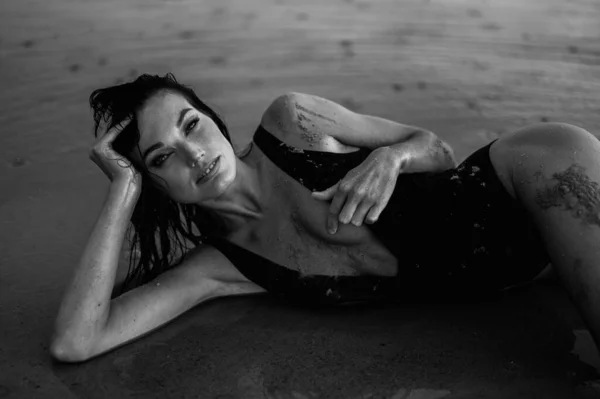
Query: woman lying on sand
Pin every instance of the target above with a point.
(328, 207)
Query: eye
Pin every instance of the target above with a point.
(190, 126)
(159, 160)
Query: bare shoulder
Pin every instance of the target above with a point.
(304, 121)
(205, 261)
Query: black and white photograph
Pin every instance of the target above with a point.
(282, 199)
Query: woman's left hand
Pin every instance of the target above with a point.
(364, 192)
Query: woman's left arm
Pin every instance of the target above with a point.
(416, 149)
(365, 191)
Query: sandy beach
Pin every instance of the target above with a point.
(469, 70)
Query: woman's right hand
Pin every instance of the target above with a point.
(118, 168)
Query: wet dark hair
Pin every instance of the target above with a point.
(161, 229)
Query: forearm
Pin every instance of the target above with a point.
(86, 302)
(423, 151)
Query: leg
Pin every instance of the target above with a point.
(554, 170)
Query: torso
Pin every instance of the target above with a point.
(292, 232)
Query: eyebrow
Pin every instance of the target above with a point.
(160, 144)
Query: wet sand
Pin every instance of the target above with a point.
(469, 70)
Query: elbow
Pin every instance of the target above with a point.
(449, 155)
(448, 160)
(68, 352)
(445, 154)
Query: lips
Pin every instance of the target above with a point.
(214, 164)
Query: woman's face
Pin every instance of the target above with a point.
(173, 137)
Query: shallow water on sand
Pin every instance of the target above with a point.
(469, 70)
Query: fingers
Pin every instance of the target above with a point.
(350, 205)
(349, 209)
(361, 212)
(327, 194)
(373, 215)
(118, 128)
(376, 210)
(354, 209)
(104, 143)
(334, 210)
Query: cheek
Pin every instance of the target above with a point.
(172, 180)
(229, 171)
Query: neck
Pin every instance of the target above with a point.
(244, 200)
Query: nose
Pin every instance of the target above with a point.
(195, 155)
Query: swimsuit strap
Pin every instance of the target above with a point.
(289, 285)
(315, 170)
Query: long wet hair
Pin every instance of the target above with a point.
(161, 229)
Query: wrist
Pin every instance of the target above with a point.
(397, 156)
(125, 189)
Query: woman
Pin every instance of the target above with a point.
(329, 207)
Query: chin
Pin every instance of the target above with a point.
(221, 183)
(214, 188)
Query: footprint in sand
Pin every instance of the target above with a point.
(186, 34)
(397, 87)
(17, 162)
(218, 60)
(348, 47)
(28, 43)
(74, 68)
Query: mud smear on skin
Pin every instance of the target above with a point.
(308, 133)
(301, 108)
(309, 136)
(309, 122)
(573, 191)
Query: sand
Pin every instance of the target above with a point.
(469, 70)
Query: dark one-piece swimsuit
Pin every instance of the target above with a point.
(456, 233)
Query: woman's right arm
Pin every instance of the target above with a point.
(89, 322)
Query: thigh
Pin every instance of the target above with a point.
(555, 171)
